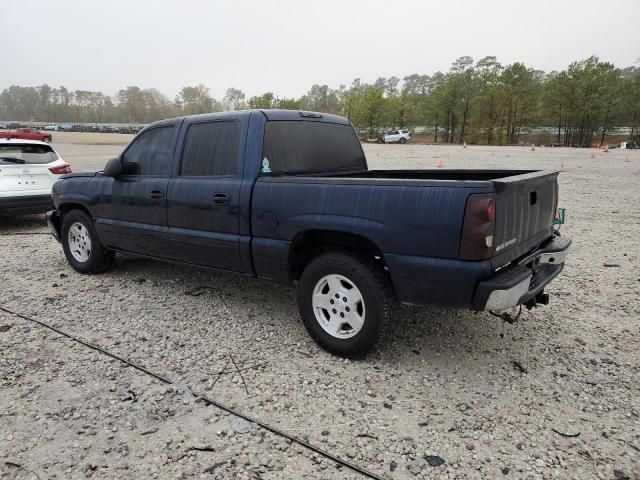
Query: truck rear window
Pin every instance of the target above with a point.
(304, 146)
(23, 154)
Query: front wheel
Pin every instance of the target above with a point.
(81, 244)
(347, 303)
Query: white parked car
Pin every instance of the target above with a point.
(397, 136)
(28, 170)
(51, 126)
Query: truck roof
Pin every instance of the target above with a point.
(270, 114)
(303, 115)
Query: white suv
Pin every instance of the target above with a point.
(397, 136)
(28, 170)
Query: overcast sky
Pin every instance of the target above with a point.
(286, 46)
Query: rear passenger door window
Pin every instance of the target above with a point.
(211, 150)
(150, 154)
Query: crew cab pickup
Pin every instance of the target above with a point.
(27, 134)
(287, 196)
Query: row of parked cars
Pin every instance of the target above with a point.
(79, 127)
(130, 129)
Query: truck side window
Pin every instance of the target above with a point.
(150, 154)
(211, 149)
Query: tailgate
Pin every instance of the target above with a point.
(525, 209)
(17, 178)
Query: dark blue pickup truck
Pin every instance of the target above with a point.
(287, 196)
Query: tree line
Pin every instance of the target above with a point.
(475, 101)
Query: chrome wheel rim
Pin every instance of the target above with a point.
(338, 306)
(79, 242)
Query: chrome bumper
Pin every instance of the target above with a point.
(521, 282)
(507, 298)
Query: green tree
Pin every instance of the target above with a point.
(192, 100)
(466, 80)
(264, 101)
(234, 99)
(371, 107)
(519, 99)
(287, 104)
(320, 98)
(630, 107)
(490, 97)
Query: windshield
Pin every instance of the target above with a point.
(16, 153)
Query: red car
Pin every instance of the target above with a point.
(27, 134)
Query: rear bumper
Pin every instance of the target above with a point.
(450, 283)
(520, 283)
(53, 220)
(25, 205)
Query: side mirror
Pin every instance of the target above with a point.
(113, 168)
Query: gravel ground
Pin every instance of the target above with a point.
(454, 395)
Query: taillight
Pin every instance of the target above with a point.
(60, 169)
(478, 227)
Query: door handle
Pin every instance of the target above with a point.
(157, 194)
(221, 198)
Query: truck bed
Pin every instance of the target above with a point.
(525, 203)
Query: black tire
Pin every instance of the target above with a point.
(377, 293)
(403, 140)
(99, 258)
(47, 139)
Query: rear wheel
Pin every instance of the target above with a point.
(347, 303)
(81, 244)
(403, 140)
(47, 139)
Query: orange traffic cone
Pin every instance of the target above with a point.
(533, 147)
(598, 146)
(439, 164)
(593, 154)
(606, 149)
(464, 144)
